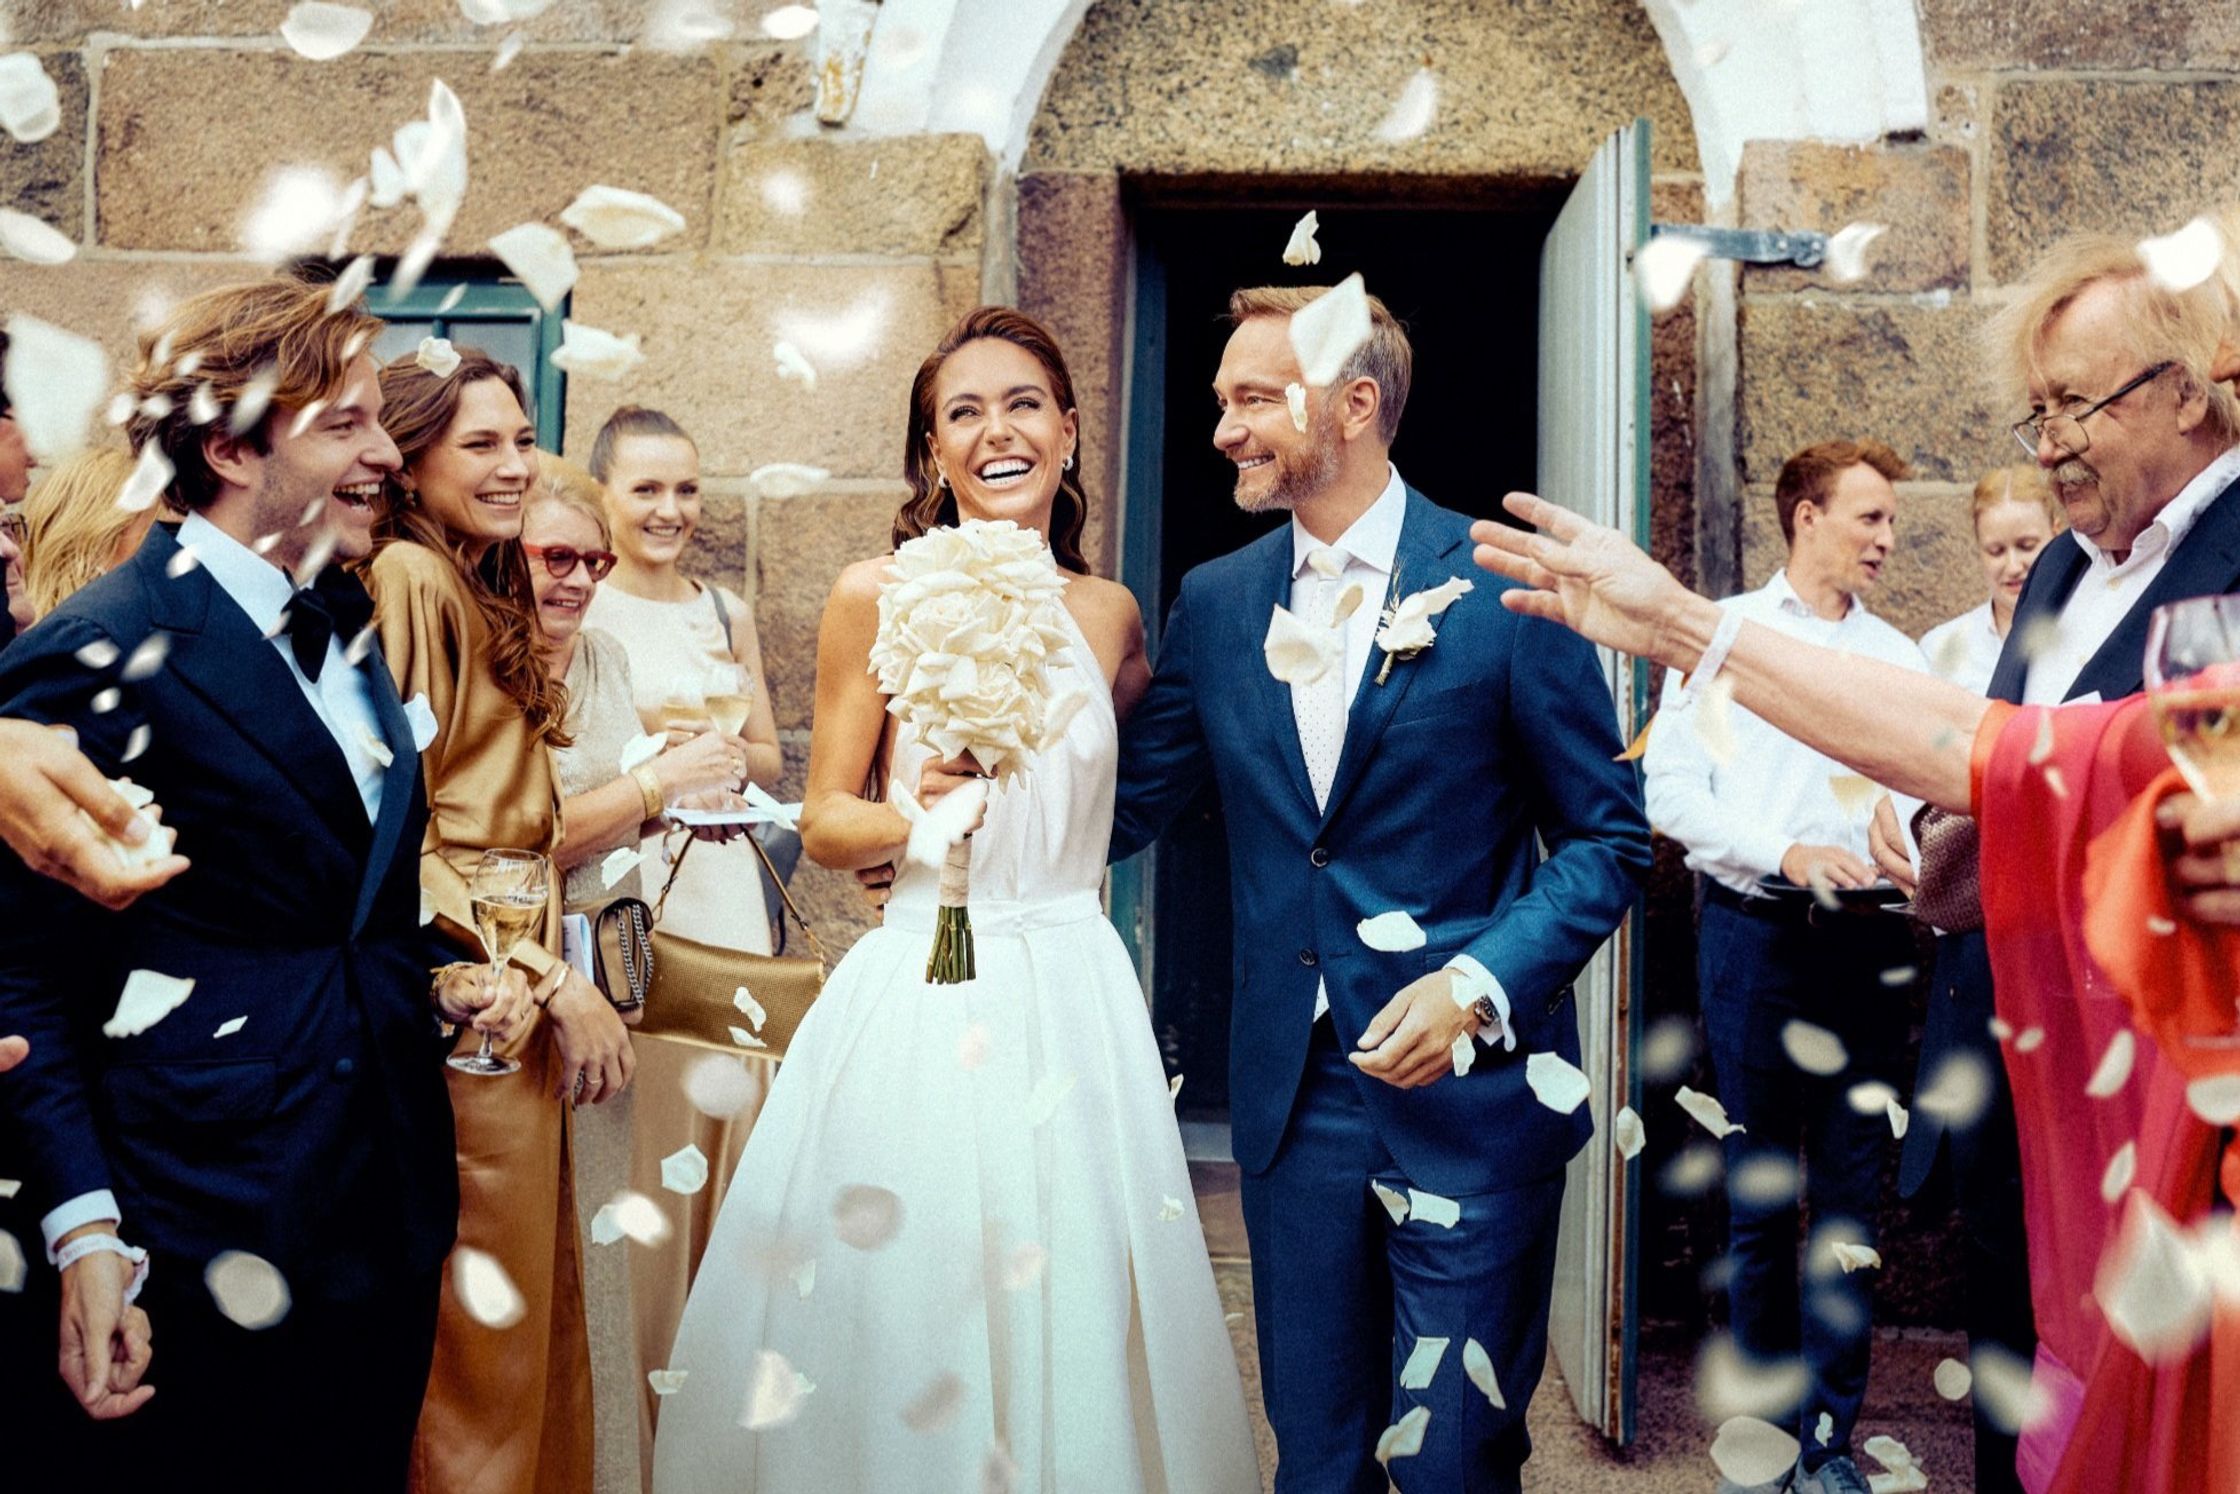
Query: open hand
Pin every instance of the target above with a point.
(1888, 844)
(106, 1345)
(2202, 839)
(1825, 866)
(48, 781)
(1411, 1042)
(1586, 576)
(594, 1048)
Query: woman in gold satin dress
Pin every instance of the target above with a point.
(508, 1409)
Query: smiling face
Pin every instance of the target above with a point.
(2008, 539)
(998, 434)
(653, 499)
(1846, 541)
(1278, 465)
(321, 479)
(473, 478)
(561, 600)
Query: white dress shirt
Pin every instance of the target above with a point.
(342, 698)
(2108, 589)
(1739, 817)
(1966, 649)
(1371, 544)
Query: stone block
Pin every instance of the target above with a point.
(720, 546)
(1820, 368)
(1932, 574)
(1069, 222)
(1956, 113)
(1300, 87)
(395, 21)
(766, 83)
(47, 180)
(2040, 34)
(803, 545)
(110, 301)
(918, 194)
(1918, 192)
(709, 326)
(2129, 157)
(179, 160)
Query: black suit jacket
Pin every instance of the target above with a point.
(318, 1135)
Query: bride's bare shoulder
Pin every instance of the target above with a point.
(859, 582)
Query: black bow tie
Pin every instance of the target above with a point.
(334, 606)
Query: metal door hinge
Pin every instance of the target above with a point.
(1804, 248)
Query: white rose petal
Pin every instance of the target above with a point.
(2215, 1099)
(146, 1000)
(720, 1086)
(842, 338)
(744, 1000)
(540, 258)
(502, 12)
(1628, 1132)
(2114, 1067)
(485, 1289)
(1749, 1451)
(298, 211)
(1348, 603)
(1302, 248)
(324, 32)
(637, 1217)
(2029, 1039)
(789, 22)
(1298, 654)
(619, 863)
(1404, 1438)
(2161, 927)
(1960, 1088)
(1295, 397)
(30, 104)
(1729, 1383)
(2005, 1390)
(55, 382)
(1394, 932)
(1665, 267)
(1852, 1256)
(686, 25)
(1847, 251)
(2115, 1181)
(1325, 332)
(12, 1265)
(1869, 1096)
(596, 353)
(1170, 1209)
(866, 1216)
(666, 1381)
(685, 1171)
(1431, 1208)
(1423, 1363)
(1556, 1082)
(1824, 1430)
(1813, 1048)
(1899, 1119)
(151, 475)
(248, 1289)
(2151, 1285)
(1395, 1204)
(1465, 1052)
(230, 1027)
(1707, 1112)
(793, 365)
(776, 1393)
(1952, 1379)
(786, 480)
(437, 356)
(1478, 1365)
(1412, 112)
(507, 51)
(34, 241)
(617, 218)
(380, 751)
(746, 1039)
(2180, 261)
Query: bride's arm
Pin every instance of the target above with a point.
(839, 827)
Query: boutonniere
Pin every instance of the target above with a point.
(1405, 630)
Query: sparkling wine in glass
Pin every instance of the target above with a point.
(508, 890)
(684, 709)
(2193, 687)
(730, 695)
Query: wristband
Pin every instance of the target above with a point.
(650, 796)
(85, 1245)
(1714, 655)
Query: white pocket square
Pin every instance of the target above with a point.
(422, 721)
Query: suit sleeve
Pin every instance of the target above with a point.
(48, 1136)
(1564, 733)
(1163, 754)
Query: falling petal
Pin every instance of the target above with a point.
(1765, 1179)
(1048, 1092)
(2180, 261)
(1691, 1171)
(2006, 1395)
(685, 1171)
(1556, 1082)
(1465, 1052)
(2161, 928)
(508, 49)
(619, 863)
(1423, 1363)
(30, 104)
(248, 1289)
(1952, 1379)
(1174, 1089)
(1707, 1112)
(1958, 1091)
(1297, 654)
(436, 355)
(485, 1290)
(786, 192)
(1404, 1438)
(1170, 1209)
(255, 398)
(617, 218)
(1395, 1204)
(1869, 1096)
(1394, 932)
(502, 12)
(1349, 602)
(540, 258)
(2122, 1168)
(666, 1381)
(297, 213)
(1478, 1365)
(1665, 267)
(1824, 1430)
(641, 749)
(2029, 1039)
(55, 381)
(1751, 1452)
(2041, 745)
(2056, 783)
(1295, 396)
(744, 1000)
(1431, 1208)
(151, 476)
(638, 1217)
(1853, 1257)
(1302, 248)
(776, 1394)
(324, 32)
(786, 480)
(147, 999)
(1324, 562)
(1847, 252)
(789, 22)
(1328, 330)
(136, 743)
(2151, 1286)
(2115, 1066)
(2216, 1099)
(934, 1407)
(865, 1216)
(746, 1039)
(1628, 1132)
(595, 353)
(1900, 1119)
(31, 240)
(12, 1265)
(1730, 1383)
(838, 339)
(202, 405)
(1411, 113)
(1667, 1048)
(792, 365)
(1897, 977)
(1813, 1048)
(686, 25)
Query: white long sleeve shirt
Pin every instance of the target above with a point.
(1738, 817)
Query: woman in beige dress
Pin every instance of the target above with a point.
(508, 1409)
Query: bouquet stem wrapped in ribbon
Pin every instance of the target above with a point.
(969, 632)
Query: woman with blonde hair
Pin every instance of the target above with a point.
(73, 528)
(506, 1412)
(2015, 517)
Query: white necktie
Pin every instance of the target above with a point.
(1320, 708)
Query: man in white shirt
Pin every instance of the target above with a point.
(1795, 1003)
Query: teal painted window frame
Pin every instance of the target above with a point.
(456, 304)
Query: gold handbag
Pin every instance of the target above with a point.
(695, 985)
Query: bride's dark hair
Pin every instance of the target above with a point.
(930, 505)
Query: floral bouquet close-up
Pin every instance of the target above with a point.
(969, 630)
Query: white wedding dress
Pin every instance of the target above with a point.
(1043, 1318)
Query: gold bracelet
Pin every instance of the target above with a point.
(649, 791)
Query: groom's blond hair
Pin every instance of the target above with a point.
(1387, 357)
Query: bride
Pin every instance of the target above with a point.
(964, 1218)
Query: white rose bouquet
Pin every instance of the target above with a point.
(969, 630)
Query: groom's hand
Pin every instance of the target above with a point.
(105, 1345)
(1411, 1042)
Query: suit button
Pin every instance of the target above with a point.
(1319, 856)
(1306, 957)
(344, 1068)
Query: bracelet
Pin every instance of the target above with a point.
(85, 1245)
(651, 798)
(1714, 655)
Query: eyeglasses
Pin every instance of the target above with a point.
(2066, 428)
(560, 560)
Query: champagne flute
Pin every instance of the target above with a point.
(2193, 686)
(508, 890)
(729, 695)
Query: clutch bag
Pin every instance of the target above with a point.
(694, 995)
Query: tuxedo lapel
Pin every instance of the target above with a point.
(2050, 583)
(398, 782)
(2206, 563)
(1275, 695)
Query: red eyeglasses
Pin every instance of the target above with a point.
(560, 560)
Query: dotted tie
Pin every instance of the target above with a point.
(1320, 708)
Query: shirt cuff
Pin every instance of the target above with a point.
(86, 1208)
(1475, 980)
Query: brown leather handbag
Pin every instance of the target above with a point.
(695, 986)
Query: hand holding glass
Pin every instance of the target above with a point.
(508, 890)
(2193, 686)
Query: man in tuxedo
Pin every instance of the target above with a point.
(1401, 1182)
(2143, 447)
(268, 1167)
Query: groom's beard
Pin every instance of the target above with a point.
(1299, 475)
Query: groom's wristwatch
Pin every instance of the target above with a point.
(1489, 1015)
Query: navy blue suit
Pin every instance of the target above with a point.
(318, 1135)
(1496, 741)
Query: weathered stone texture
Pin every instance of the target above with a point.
(2133, 158)
(1068, 223)
(1672, 407)
(2015, 34)
(1301, 86)
(1932, 575)
(110, 301)
(395, 21)
(1918, 192)
(181, 158)
(47, 180)
(766, 82)
(1818, 368)
(803, 545)
(917, 195)
(708, 327)
(719, 553)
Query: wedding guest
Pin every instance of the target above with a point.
(2082, 905)
(73, 528)
(2014, 518)
(16, 615)
(505, 1411)
(15, 480)
(1755, 808)
(606, 810)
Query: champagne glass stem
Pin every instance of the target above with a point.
(497, 973)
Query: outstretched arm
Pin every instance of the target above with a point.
(1907, 731)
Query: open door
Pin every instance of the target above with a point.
(1594, 460)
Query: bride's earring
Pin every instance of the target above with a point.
(1067, 464)
(940, 479)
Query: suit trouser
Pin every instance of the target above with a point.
(1758, 973)
(1341, 1295)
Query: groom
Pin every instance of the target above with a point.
(1401, 1183)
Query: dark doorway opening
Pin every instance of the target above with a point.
(1464, 280)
